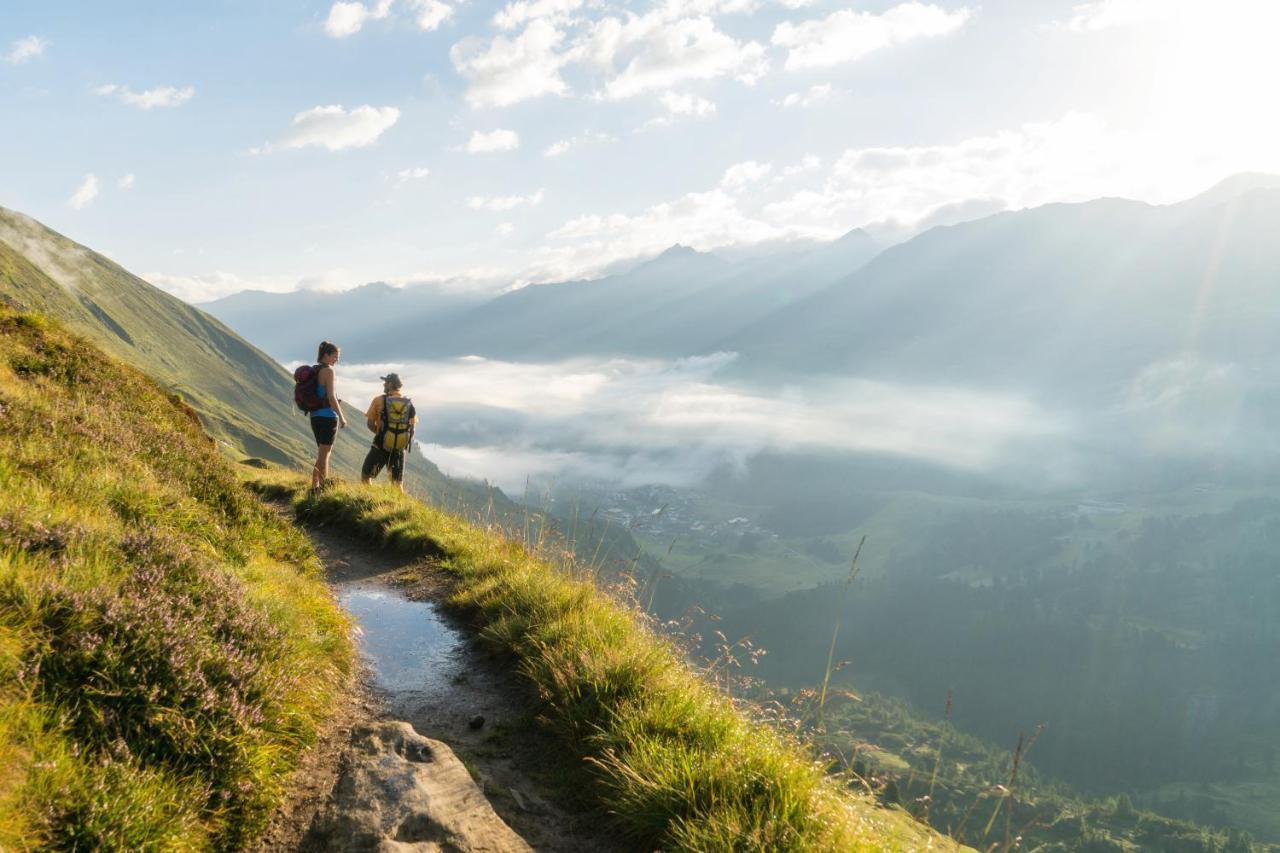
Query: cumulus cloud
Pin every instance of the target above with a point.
(348, 18)
(808, 163)
(335, 128)
(205, 287)
(418, 173)
(504, 229)
(674, 42)
(814, 95)
(646, 421)
(741, 174)
(25, 50)
(652, 53)
(494, 140)
(431, 14)
(515, 15)
(1075, 158)
(707, 220)
(563, 146)
(687, 105)
(505, 202)
(85, 193)
(507, 71)
(846, 35)
(161, 97)
(126, 182)
(1105, 14)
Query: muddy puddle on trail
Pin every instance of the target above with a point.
(411, 652)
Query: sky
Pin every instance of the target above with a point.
(213, 147)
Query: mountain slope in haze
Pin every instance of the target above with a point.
(289, 325)
(243, 396)
(676, 304)
(1081, 298)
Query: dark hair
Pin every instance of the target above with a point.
(326, 348)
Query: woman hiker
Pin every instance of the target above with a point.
(325, 421)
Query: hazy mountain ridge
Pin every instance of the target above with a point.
(677, 303)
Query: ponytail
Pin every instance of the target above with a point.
(326, 348)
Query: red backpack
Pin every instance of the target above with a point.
(306, 388)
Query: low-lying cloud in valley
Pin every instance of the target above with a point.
(632, 422)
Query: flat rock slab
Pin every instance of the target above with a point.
(400, 791)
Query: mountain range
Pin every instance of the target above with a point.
(678, 303)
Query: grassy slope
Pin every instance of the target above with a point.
(244, 397)
(673, 762)
(166, 645)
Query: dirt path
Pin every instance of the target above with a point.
(519, 766)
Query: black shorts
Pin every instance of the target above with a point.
(325, 429)
(377, 458)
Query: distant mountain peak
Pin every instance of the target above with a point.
(678, 257)
(1235, 186)
(855, 237)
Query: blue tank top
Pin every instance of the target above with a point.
(326, 412)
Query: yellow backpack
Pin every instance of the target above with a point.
(397, 423)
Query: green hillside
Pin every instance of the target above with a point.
(167, 648)
(243, 396)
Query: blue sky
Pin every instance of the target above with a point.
(217, 146)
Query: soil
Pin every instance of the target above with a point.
(520, 766)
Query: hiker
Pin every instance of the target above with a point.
(391, 418)
(325, 411)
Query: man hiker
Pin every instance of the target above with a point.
(391, 418)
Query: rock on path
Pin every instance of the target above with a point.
(400, 791)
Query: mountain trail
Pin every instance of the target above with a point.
(384, 776)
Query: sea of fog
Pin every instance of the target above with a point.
(644, 421)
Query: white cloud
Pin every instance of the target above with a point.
(504, 229)
(704, 220)
(345, 19)
(205, 287)
(126, 183)
(563, 146)
(656, 54)
(499, 204)
(25, 50)
(506, 71)
(494, 140)
(900, 189)
(687, 105)
(846, 35)
(815, 95)
(416, 174)
(85, 193)
(334, 128)
(161, 97)
(741, 174)
(809, 163)
(431, 14)
(348, 18)
(1104, 14)
(516, 14)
